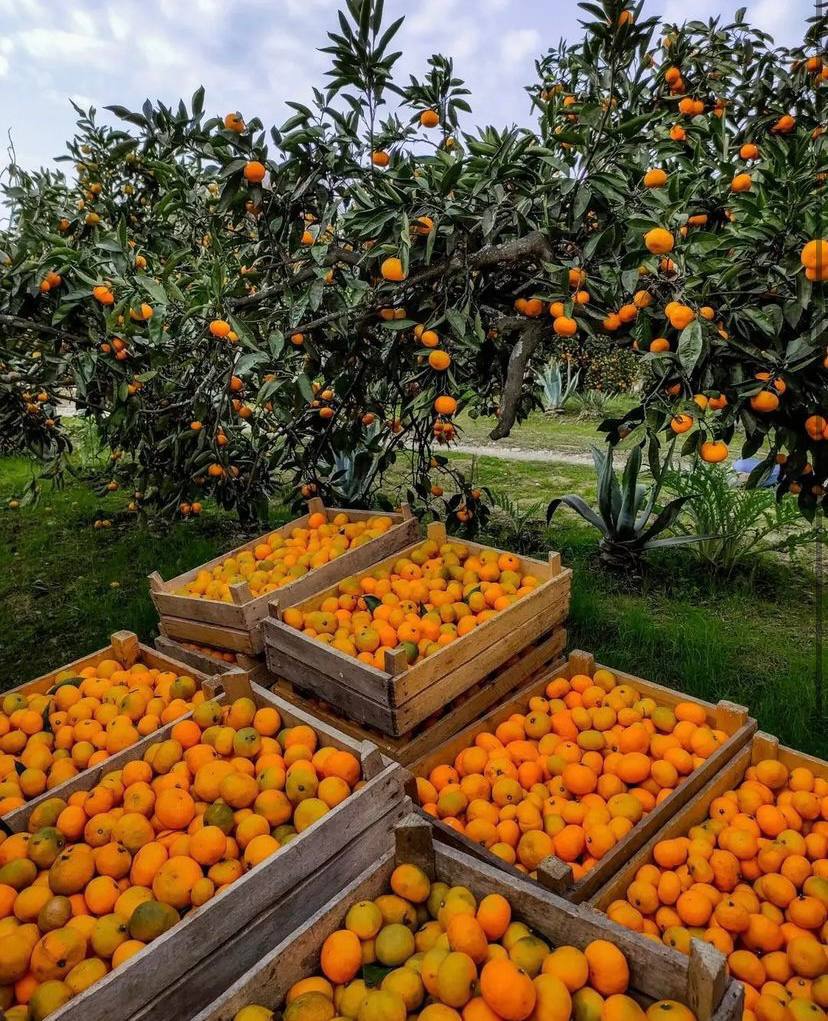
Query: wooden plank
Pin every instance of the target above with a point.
(695, 812)
(208, 928)
(234, 639)
(298, 954)
(413, 746)
(357, 688)
(469, 672)
(256, 668)
(246, 610)
(554, 873)
(351, 704)
(551, 598)
(215, 973)
(656, 971)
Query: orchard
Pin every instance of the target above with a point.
(247, 312)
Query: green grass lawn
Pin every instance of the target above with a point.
(65, 586)
(566, 433)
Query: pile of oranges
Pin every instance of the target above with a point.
(572, 775)
(442, 955)
(753, 881)
(46, 739)
(423, 601)
(280, 558)
(108, 870)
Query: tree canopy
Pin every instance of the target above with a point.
(246, 312)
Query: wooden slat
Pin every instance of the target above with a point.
(410, 747)
(217, 971)
(656, 971)
(551, 598)
(695, 812)
(471, 670)
(256, 668)
(557, 875)
(235, 639)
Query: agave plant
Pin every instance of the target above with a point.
(627, 516)
(554, 391)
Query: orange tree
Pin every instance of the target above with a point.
(242, 311)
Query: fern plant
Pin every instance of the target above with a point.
(627, 515)
(738, 525)
(554, 390)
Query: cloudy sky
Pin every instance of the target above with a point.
(251, 55)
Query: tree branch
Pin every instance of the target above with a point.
(28, 324)
(531, 333)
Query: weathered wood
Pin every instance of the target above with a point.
(211, 665)
(248, 641)
(396, 703)
(246, 610)
(414, 842)
(215, 973)
(206, 930)
(125, 647)
(707, 979)
(553, 871)
(656, 971)
(695, 811)
(434, 731)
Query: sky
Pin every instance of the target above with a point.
(252, 55)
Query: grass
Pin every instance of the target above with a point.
(65, 586)
(566, 433)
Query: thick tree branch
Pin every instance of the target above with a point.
(531, 333)
(533, 246)
(51, 331)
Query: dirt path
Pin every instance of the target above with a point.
(520, 454)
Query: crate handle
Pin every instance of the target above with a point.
(156, 582)
(240, 592)
(555, 875)
(707, 979)
(234, 683)
(274, 609)
(125, 647)
(371, 760)
(406, 511)
(729, 716)
(764, 746)
(316, 505)
(581, 662)
(414, 842)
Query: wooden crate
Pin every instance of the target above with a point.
(656, 972)
(396, 699)
(235, 625)
(207, 930)
(125, 647)
(254, 666)
(553, 873)
(543, 656)
(762, 746)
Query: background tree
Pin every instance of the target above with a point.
(244, 313)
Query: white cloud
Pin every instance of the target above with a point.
(520, 43)
(59, 47)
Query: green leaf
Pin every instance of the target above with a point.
(690, 345)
